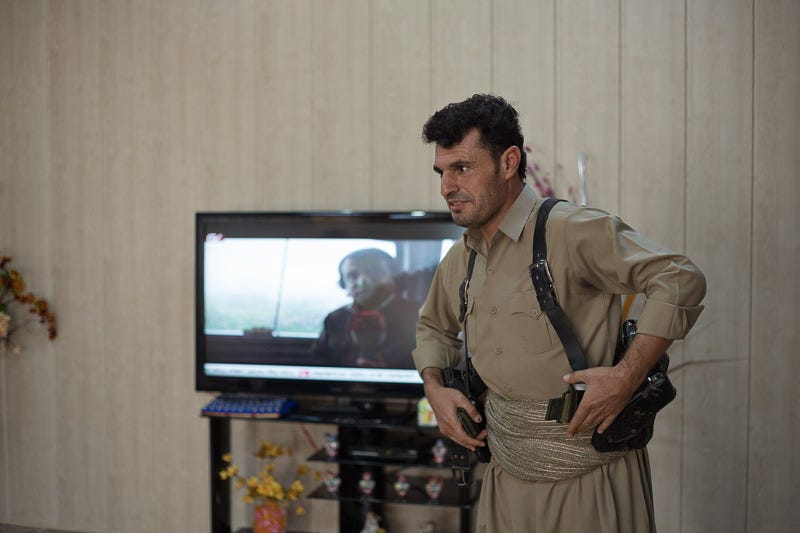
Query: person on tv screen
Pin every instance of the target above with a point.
(378, 328)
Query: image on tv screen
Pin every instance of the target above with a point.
(315, 302)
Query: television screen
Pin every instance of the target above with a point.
(314, 303)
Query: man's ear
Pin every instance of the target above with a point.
(510, 161)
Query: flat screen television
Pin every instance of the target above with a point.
(304, 304)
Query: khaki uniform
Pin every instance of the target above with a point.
(593, 257)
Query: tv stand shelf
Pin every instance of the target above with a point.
(450, 496)
(384, 432)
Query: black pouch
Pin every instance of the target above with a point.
(633, 427)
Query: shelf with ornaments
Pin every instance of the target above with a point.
(397, 471)
(436, 490)
(406, 450)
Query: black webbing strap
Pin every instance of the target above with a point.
(463, 294)
(464, 288)
(546, 294)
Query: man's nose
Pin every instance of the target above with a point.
(448, 185)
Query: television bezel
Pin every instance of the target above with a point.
(248, 221)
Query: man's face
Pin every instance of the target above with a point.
(368, 280)
(471, 182)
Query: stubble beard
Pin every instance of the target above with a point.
(483, 208)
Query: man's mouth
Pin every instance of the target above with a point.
(456, 203)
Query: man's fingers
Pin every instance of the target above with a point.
(606, 423)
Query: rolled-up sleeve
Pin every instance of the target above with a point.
(608, 254)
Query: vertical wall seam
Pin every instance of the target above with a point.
(554, 160)
(752, 260)
(685, 236)
(312, 112)
(48, 200)
(431, 68)
(370, 106)
(619, 105)
(492, 48)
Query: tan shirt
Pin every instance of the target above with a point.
(593, 258)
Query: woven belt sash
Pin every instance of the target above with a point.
(532, 449)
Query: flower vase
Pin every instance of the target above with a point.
(269, 518)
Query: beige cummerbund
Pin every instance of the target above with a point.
(534, 449)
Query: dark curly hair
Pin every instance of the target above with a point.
(496, 119)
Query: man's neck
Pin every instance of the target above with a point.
(489, 229)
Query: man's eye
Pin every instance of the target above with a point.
(462, 168)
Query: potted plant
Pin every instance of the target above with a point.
(271, 497)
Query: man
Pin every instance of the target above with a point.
(377, 329)
(543, 476)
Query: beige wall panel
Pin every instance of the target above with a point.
(461, 59)
(80, 245)
(588, 87)
(652, 188)
(229, 97)
(285, 148)
(27, 387)
(179, 136)
(523, 58)
(400, 77)
(340, 141)
(653, 118)
(128, 230)
(718, 227)
(773, 462)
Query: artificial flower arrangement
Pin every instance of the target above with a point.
(540, 179)
(12, 292)
(270, 497)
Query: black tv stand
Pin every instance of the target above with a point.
(354, 413)
(388, 430)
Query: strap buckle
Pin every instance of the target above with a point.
(542, 280)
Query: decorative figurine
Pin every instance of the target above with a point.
(434, 487)
(366, 484)
(401, 486)
(439, 451)
(332, 482)
(371, 521)
(331, 445)
(428, 527)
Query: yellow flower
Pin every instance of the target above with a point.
(295, 490)
(4, 324)
(264, 487)
(229, 472)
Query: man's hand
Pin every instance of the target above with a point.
(444, 402)
(607, 393)
(608, 389)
